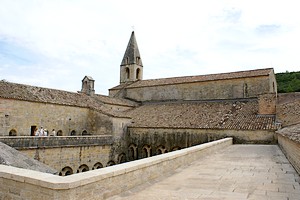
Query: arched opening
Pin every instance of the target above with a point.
(110, 163)
(127, 71)
(66, 171)
(82, 168)
(138, 71)
(121, 158)
(161, 149)
(73, 132)
(146, 151)
(84, 132)
(12, 132)
(33, 130)
(97, 165)
(59, 133)
(127, 60)
(138, 60)
(132, 152)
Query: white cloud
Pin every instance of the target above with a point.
(63, 41)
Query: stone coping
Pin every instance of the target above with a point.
(27, 142)
(54, 182)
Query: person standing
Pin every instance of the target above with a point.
(41, 131)
(36, 132)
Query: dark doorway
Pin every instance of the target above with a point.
(32, 130)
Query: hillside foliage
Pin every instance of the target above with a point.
(288, 82)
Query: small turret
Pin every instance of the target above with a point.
(88, 85)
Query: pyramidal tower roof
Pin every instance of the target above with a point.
(132, 52)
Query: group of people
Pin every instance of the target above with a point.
(44, 132)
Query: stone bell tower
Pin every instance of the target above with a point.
(88, 85)
(131, 67)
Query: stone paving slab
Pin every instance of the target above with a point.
(237, 172)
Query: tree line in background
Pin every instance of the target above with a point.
(288, 82)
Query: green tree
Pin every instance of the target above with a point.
(288, 82)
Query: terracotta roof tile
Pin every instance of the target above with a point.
(234, 115)
(46, 95)
(201, 78)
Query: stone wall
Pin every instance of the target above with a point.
(267, 104)
(74, 153)
(145, 142)
(217, 89)
(20, 116)
(288, 109)
(98, 184)
(291, 149)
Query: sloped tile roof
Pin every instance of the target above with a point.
(200, 78)
(291, 132)
(46, 95)
(234, 115)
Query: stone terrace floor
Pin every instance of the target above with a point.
(237, 172)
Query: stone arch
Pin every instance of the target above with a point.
(59, 133)
(127, 72)
(132, 152)
(110, 163)
(66, 171)
(83, 168)
(161, 149)
(175, 148)
(12, 132)
(97, 165)
(121, 158)
(138, 74)
(146, 151)
(73, 132)
(84, 132)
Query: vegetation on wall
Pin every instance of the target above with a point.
(288, 82)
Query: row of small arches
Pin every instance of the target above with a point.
(132, 155)
(147, 151)
(83, 168)
(13, 132)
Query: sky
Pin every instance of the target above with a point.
(54, 44)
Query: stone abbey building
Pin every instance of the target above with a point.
(140, 118)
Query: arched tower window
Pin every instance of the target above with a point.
(127, 73)
(138, 73)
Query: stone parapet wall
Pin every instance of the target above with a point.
(32, 142)
(98, 184)
(291, 149)
(61, 152)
